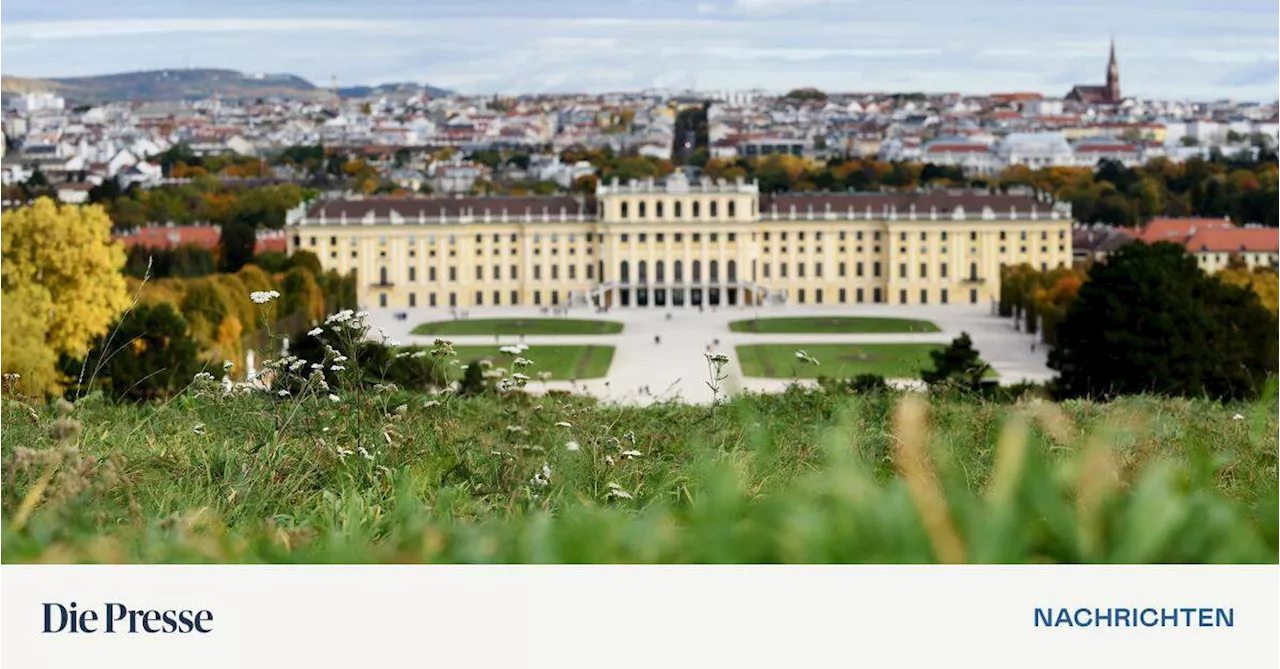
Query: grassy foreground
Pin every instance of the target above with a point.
(518, 326)
(832, 325)
(839, 361)
(804, 476)
(564, 363)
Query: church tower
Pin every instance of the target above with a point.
(1113, 77)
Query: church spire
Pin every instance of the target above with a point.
(1113, 76)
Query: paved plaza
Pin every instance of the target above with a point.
(644, 371)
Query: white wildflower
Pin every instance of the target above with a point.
(336, 368)
(344, 452)
(513, 429)
(334, 398)
(284, 393)
(198, 429)
(563, 424)
(394, 343)
(718, 358)
(263, 296)
(315, 332)
(616, 490)
(341, 358)
(630, 454)
(521, 362)
(572, 446)
(430, 403)
(519, 377)
(1237, 417)
(365, 453)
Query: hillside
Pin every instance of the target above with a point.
(399, 89)
(167, 85)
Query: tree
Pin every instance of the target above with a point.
(152, 354)
(68, 251)
(1261, 280)
(25, 324)
(958, 365)
(299, 292)
(1149, 321)
(237, 244)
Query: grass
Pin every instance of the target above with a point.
(802, 477)
(518, 326)
(892, 361)
(563, 362)
(832, 324)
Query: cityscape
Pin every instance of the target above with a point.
(465, 301)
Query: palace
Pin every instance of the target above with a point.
(675, 243)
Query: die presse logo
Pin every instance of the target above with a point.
(115, 618)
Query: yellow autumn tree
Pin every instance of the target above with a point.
(1262, 281)
(25, 316)
(68, 252)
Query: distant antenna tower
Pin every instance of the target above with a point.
(337, 103)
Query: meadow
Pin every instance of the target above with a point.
(832, 325)
(563, 363)
(353, 474)
(519, 326)
(779, 361)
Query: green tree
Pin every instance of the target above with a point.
(956, 366)
(151, 354)
(237, 244)
(1149, 321)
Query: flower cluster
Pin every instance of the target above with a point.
(542, 477)
(263, 296)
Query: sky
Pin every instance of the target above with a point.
(1169, 49)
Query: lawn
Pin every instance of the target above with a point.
(564, 362)
(518, 326)
(832, 324)
(892, 361)
(384, 475)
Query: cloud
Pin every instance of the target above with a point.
(772, 7)
(586, 45)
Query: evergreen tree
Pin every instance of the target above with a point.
(958, 365)
(1148, 320)
(237, 243)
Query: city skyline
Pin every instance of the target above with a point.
(1199, 51)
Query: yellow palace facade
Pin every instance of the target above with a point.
(678, 243)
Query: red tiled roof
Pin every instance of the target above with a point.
(1017, 97)
(205, 236)
(1253, 240)
(957, 148)
(1179, 229)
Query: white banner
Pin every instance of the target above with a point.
(622, 616)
